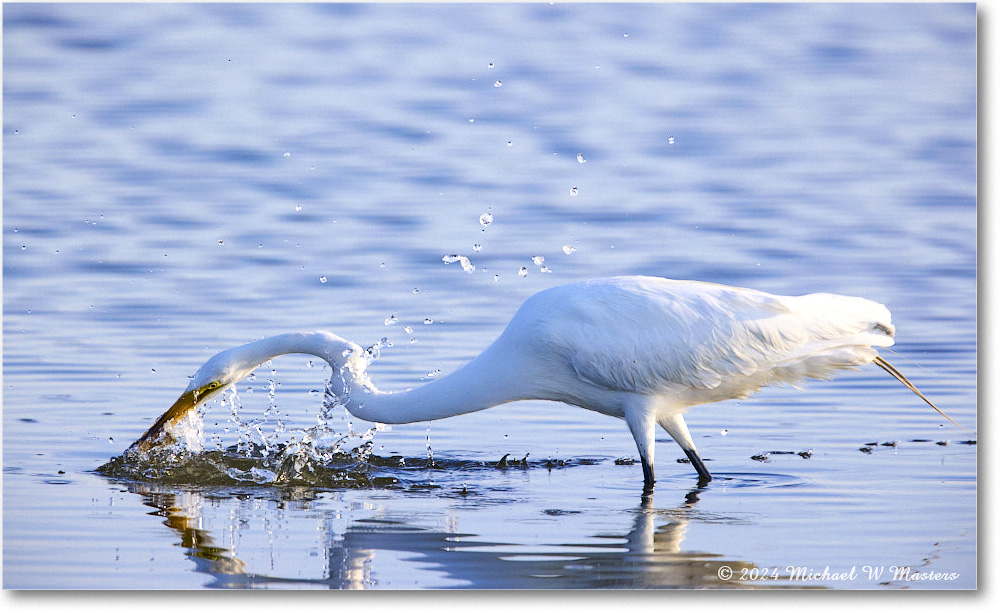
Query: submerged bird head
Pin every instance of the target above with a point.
(347, 359)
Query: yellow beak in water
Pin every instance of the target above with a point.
(181, 407)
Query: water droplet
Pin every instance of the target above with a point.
(670, 141)
(391, 320)
(568, 249)
(467, 266)
(580, 158)
(485, 220)
(477, 247)
(322, 279)
(573, 191)
(428, 321)
(538, 260)
(497, 84)
(523, 272)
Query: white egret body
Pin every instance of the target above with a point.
(643, 349)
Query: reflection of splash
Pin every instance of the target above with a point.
(182, 512)
(649, 555)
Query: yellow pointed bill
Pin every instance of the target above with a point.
(184, 405)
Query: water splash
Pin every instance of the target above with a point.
(430, 452)
(267, 452)
(467, 265)
(374, 352)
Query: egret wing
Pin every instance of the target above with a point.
(646, 334)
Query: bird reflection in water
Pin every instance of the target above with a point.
(649, 555)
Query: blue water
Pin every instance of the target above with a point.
(181, 178)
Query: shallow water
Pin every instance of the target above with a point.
(183, 178)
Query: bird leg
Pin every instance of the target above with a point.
(643, 426)
(703, 475)
(675, 426)
(648, 476)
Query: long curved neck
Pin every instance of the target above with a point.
(482, 383)
(240, 361)
(486, 381)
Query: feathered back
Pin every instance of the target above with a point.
(645, 334)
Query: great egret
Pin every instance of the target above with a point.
(643, 349)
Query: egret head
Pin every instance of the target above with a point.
(214, 376)
(228, 367)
